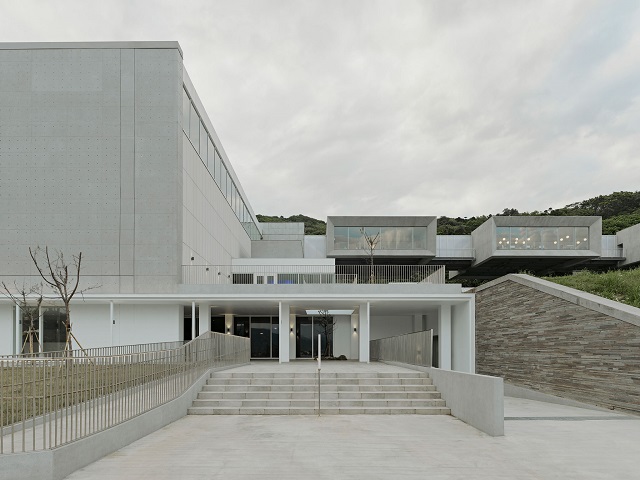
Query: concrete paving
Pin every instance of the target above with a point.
(542, 441)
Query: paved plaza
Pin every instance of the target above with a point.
(542, 441)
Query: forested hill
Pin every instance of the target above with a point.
(311, 225)
(618, 210)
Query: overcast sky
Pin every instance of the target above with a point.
(396, 107)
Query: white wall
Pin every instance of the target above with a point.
(462, 338)
(6, 329)
(91, 324)
(141, 323)
(342, 337)
(148, 323)
(389, 326)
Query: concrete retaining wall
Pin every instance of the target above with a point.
(559, 341)
(475, 399)
(57, 463)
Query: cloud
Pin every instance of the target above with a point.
(361, 107)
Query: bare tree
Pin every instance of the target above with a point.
(64, 279)
(28, 301)
(370, 244)
(328, 325)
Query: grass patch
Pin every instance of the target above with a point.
(34, 388)
(619, 285)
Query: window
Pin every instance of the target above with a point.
(211, 153)
(218, 169)
(194, 127)
(204, 136)
(542, 238)
(186, 106)
(389, 238)
(420, 238)
(503, 238)
(229, 187)
(582, 238)
(404, 238)
(340, 238)
(223, 180)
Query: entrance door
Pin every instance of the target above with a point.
(304, 337)
(261, 337)
(307, 331)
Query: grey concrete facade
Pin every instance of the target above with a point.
(629, 239)
(94, 160)
(90, 142)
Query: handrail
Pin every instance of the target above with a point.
(101, 351)
(310, 274)
(49, 402)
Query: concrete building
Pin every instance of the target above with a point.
(106, 149)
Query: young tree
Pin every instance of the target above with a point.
(64, 279)
(328, 325)
(28, 300)
(370, 245)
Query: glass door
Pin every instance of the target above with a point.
(304, 337)
(307, 331)
(261, 337)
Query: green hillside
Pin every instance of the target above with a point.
(312, 226)
(620, 285)
(618, 210)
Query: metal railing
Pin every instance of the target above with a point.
(310, 274)
(413, 348)
(99, 351)
(49, 402)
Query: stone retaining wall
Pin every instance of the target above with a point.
(559, 341)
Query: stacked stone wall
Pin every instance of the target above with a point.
(536, 340)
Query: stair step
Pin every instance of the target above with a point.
(204, 395)
(310, 402)
(324, 388)
(279, 393)
(315, 375)
(323, 381)
(325, 411)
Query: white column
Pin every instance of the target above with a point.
(111, 320)
(417, 322)
(292, 335)
(204, 317)
(444, 337)
(193, 320)
(283, 338)
(353, 334)
(18, 347)
(363, 332)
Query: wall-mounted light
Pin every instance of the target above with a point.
(355, 329)
(228, 330)
(291, 330)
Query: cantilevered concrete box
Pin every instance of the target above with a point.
(399, 236)
(548, 239)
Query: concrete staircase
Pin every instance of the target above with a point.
(297, 394)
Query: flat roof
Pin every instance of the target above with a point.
(86, 45)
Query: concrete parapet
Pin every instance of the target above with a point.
(475, 399)
(58, 463)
